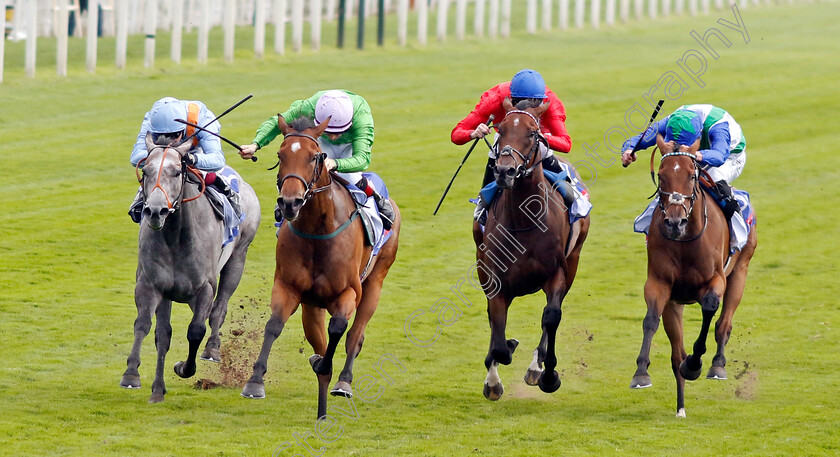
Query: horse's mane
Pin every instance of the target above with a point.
(526, 103)
(302, 123)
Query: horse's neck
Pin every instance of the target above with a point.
(321, 214)
(508, 209)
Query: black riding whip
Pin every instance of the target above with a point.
(652, 117)
(489, 121)
(254, 158)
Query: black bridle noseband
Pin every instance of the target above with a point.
(536, 137)
(676, 198)
(311, 190)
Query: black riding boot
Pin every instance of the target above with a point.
(135, 211)
(551, 163)
(386, 211)
(730, 205)
(224, 188)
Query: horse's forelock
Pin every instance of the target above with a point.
(302, 123)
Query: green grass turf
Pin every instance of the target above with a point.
(68, 254)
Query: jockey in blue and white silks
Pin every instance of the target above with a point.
(722, 153)
(206, 154)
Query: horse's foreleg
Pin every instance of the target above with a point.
(228, 282)
(535, 370)
(709, 303)
(163, 336)
(501, 349)
(201, 305)
(146, 301)
(555, 291)
(657, 295)
(283, 305)
(672, 317)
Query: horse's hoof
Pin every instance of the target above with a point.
(681, 413)
(688, 373)
(156, 398)
(342, 389)
(532, 377)
(493, 393)
(182, 371)
(211, 355)
(319, 365)
(255, 390)
(129, 381)
(549, 383)
(640, 382)
(716, 372)
(512, 344)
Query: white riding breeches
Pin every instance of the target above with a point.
(340, 151)
(730, 169)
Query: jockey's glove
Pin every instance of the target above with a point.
(189, 159)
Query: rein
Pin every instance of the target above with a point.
(509, 150)
(676, 198)
(311, 190)
(326, 236)
(170, 203)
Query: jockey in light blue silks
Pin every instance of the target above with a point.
(206, 155)
(721, 153)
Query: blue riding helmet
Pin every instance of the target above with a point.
(527, 84)
(163, 114)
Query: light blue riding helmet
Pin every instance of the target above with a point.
(163, 114)
(527, 84)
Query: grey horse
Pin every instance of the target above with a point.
(180, 258)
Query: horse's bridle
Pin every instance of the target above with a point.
(171, 204)
(523, 169)
(311, 190)
(676, 198)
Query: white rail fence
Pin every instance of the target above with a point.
(30, 19)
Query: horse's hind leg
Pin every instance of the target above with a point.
(672, 318)
(501, 349)
(723, 327)
(535, 370)
(201, 306)
(555, 291)
(163, 336)
(147, 302)
(356, 336)
(228, 282)
(313, 329)
(710, 302)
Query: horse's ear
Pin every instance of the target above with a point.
(538, 112)
(150, 144)
(664, 148)
(507, 104)
(319, 129)
(695, 146)
(281, 124)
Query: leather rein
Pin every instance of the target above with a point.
(171, 203)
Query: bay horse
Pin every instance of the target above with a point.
(518, 255)
(180, 257)
(321, 260)
(687, 263)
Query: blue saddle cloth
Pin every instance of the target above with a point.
(231, 220)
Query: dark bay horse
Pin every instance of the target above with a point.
(688, 248)
(321, 258)
(521, 252)
(180, 258)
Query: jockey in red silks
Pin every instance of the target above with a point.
(526, 85)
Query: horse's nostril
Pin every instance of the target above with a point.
(510, 172)
(683, 222)
(164, 212)
(298, 202)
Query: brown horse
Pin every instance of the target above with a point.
(527, 245)
(321, 259)
(688, 248)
